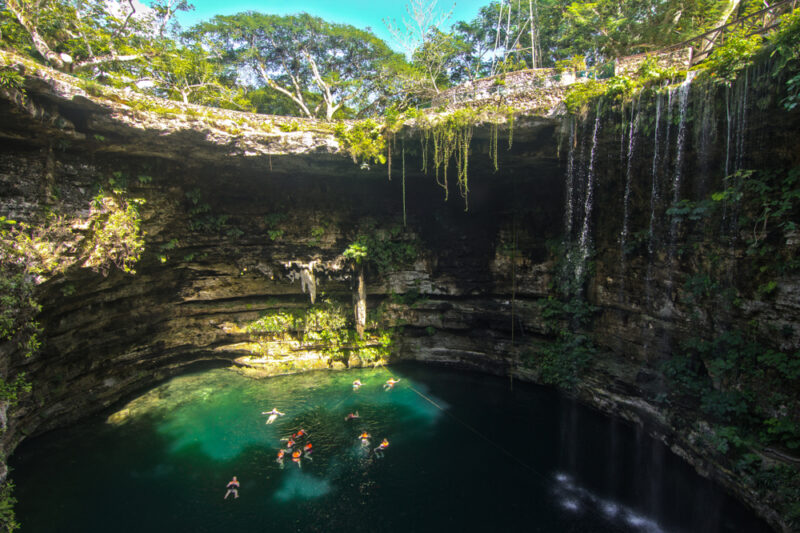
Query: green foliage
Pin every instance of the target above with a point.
(324, 327)
(321, 67)
(563, 361)
(8, 522)
(363, 140)
(383, 250)
(272, 221)
(579, 95)
(736, 380)
(573, 64)
(737, 52)
(11, 79)
(769, 204)
(200, 218)
(792, 99)
(116, 237)
(689, 210)
(356, 253)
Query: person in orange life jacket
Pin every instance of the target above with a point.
(351, 416)
(390, 383)
(382, 446)
(364, 438)
(296, 457)
(233, 488)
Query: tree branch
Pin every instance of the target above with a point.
(38, 41)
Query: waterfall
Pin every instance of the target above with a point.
(623, 236)
(742, 120)
(585, 241)
(683, 105)
(679, 151)
(570, 181)
(653, 202)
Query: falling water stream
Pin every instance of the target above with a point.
(466, 453)
(585, 243)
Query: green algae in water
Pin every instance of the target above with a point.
(485, 459)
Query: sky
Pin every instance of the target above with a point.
(358, 13)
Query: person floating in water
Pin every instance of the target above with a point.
(300, 434)
(272, 415)
(357, 384)
(351, 416)
(382, 446)
(233, 488)
(289, 445)
(364, 438)
(307, 449)
(390, 383)
(296, 457)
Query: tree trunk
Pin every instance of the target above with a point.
(733, 5)
(360, 303)
(41, 46)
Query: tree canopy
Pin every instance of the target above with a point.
(303, 65)
(320, 66)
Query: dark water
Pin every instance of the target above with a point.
(484, 458)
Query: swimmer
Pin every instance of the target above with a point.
(279, 460)
(233, 488)
(308, 448)
(390, 383)
(272, 415)
(296, 457)
(299, 434)
(351, 416)
(289, 445)
(364, 438)
(357, 384)
(382, 446)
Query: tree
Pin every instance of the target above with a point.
(191, 75)
(90, 35)
(321, 67)
(422, 39)
(357, 254)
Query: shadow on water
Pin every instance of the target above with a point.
(465, 454)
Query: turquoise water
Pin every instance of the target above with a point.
(466, 453)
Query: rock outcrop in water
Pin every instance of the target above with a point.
(239, 210)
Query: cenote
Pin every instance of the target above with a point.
(605, 234)
(468, 452)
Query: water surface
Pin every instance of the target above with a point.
(467, 453)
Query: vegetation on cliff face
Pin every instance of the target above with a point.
(743, 381)
(31, 253)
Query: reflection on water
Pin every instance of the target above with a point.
(465, 454)
(298, 485)
(579, 500)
